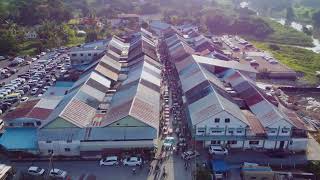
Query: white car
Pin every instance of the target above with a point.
(109, 161)
(218, 150)
(132, 161)
(58, 173)
(168, 141)
(36, 171)
(24, 99)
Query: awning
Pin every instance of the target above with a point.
(219, 166)
(19, 139)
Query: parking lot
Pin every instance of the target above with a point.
(30, 78)
(261, 60)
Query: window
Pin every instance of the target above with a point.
(73, 54)
(67, 149)
(81, 54)
(285, 130)
(82, 61)
(89, 54)
(215, 142)
(69, 141)
(201, 130)
(215, 131)
(48, 141)
(50, 151)
(232, 142)
(239, 131)
(216, 120)
(230, 132)
(254, 142)
(95, 54)
(227, 120)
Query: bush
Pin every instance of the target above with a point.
(314, 167)
(274, 47)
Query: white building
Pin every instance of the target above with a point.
(31, 35)
(187, 27)
(224, 106)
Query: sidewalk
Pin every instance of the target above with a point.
(239, 157)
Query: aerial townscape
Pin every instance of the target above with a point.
(159, 90)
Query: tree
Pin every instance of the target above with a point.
(316, 19)
(290, 15)
(92, 36)
(51, 34)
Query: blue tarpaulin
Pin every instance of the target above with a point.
(17, 139)
(219, 165)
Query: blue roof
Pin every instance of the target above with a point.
(64, 84)
(16, 139)
(159, 25)
(219, 165)
(256, 168)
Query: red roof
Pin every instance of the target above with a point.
(39, 113)
(254, 123)
(21, 111)
(294, 118)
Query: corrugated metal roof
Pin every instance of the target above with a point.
(266, 112)
(254, 123)
(78, 113)
(21, 111)
(48, 103)
(39, 113)
(204, 108)
(227, 64)
(138, 96)
(191, 75)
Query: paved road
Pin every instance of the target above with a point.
(77, 168)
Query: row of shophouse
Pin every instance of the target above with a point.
(222, 102)
(114, 105)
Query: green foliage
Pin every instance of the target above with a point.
(32, 12)
(314, 167)
(286, 35)
(91, 36)
(9, 37)
(316, 19)
(290, 15)
(298, 59)
(203, 174)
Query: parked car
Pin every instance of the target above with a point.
(36, 171)
(132, 161)
(218, 150)
(109, 161)
(189, 155)
(24, 99)
(58, 173)
(34, 91)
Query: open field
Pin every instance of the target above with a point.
(286, 35)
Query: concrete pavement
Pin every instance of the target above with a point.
(77, 168)
(313, 152)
